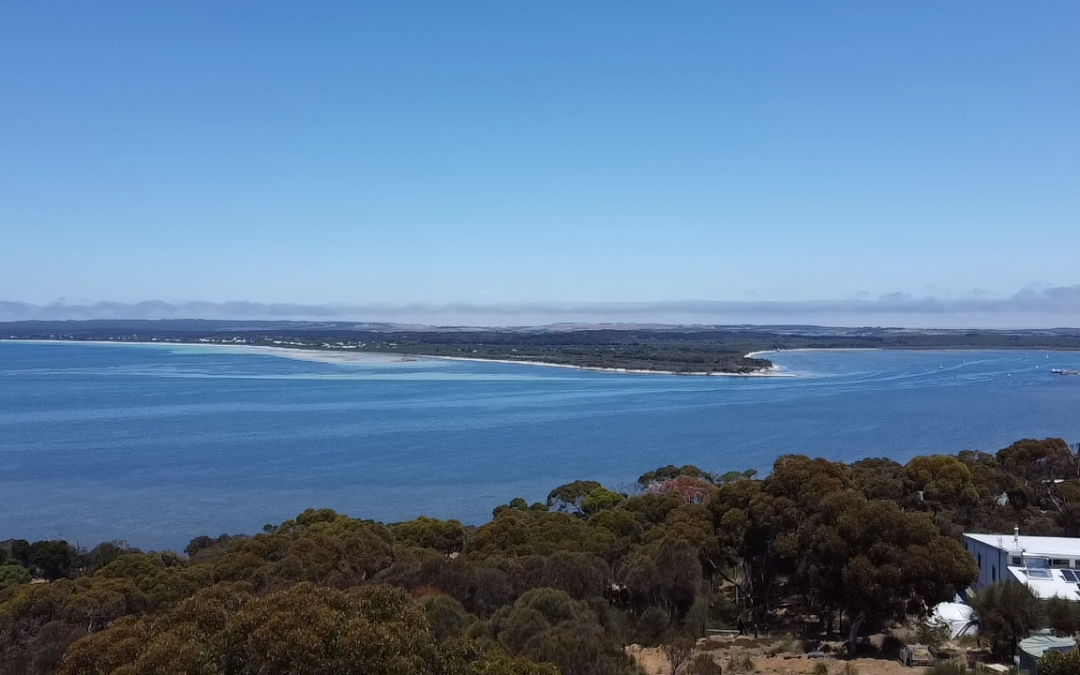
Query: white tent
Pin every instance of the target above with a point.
(959, 617)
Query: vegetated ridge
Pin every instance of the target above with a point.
(817, 550)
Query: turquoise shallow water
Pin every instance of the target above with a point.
(157, 445)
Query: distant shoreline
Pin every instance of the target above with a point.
(736, 351)
(358, 356)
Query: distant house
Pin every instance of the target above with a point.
(1049, 565)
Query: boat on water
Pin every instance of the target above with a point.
(1064, 371)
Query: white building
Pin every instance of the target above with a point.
(1049, 565)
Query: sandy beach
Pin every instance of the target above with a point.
(775, 371)
(358, 357)
(338, 356)
(754, 355)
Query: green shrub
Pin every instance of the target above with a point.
(933, 634)
(12, 575)
(1060, 663)
(785, 643)
(948, 668)
(704, 665)
(740, 664)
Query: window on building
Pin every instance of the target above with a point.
(980, 560)
(993, 573)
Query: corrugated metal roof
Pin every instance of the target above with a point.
(1050, 547)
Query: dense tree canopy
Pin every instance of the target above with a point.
(370, 630)
(545, 588)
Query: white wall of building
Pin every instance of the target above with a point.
(992, 561)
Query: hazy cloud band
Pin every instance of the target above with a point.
(1030, 307)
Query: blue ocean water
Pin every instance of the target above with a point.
(157, 444)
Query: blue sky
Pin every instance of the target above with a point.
(523, 152)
